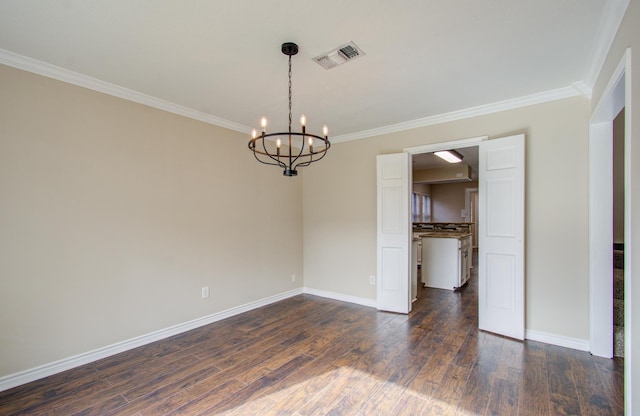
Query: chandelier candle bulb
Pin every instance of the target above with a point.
(254, 134)
(310, 144)
(263, 123)
(303, 120)
(325, 131)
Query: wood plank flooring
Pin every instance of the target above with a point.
(312, 356)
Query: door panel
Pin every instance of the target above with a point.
(500, 208)
(393, 242)
(501, 236)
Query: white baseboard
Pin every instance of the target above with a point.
(559, 340)
(59, 366)
(341, 297)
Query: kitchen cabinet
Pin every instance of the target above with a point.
(446, 259)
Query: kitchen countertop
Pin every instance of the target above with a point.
(444, 234)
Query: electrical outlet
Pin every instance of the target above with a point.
(372, 280)
(293, 277)
(205, 292)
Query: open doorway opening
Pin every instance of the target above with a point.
(443, 225)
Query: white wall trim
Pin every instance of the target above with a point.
(538, 98)
(614, 98)
(52, 71)
(559, 340)
(59, 366)
(341, 297)
(467, 203)
(616, 95)
(601, 238)
(62, 74)
(609, 25)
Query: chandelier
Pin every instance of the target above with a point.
(289, 150)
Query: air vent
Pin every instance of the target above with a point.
(339, 55)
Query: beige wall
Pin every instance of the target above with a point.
(452, 173)
(113, 215)
(422, 188)
(447, 200)
(339, 203)
(628, 36)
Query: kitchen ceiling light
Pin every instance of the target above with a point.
(450, 156)
(301, 148)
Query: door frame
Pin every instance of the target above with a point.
(468, 207)
(617, 95)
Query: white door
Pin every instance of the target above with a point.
(501, 236)
(394, 236)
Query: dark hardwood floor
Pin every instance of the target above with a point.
(312, 356)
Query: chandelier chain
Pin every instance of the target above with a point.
(289, 92)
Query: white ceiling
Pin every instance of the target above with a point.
(423, 57)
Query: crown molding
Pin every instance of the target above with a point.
(61, 74)
(52, 71)
(577, 88)
(611, 19)
(583, 89)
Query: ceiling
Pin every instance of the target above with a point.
(423, 58)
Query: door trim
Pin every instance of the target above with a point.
(616, 95)
(600, 206)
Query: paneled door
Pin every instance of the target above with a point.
(501, 236)
(394, 233)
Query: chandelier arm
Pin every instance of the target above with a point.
(306, 163)
(322, 154)
(256, 152)
(276, 159)
(278, 163)
(291, 158)
(291, 162)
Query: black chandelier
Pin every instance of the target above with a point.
(301, 148)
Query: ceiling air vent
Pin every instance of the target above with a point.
(338, 56)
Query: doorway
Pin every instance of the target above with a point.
(501, 235)
(471, 211)
(615, 98)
